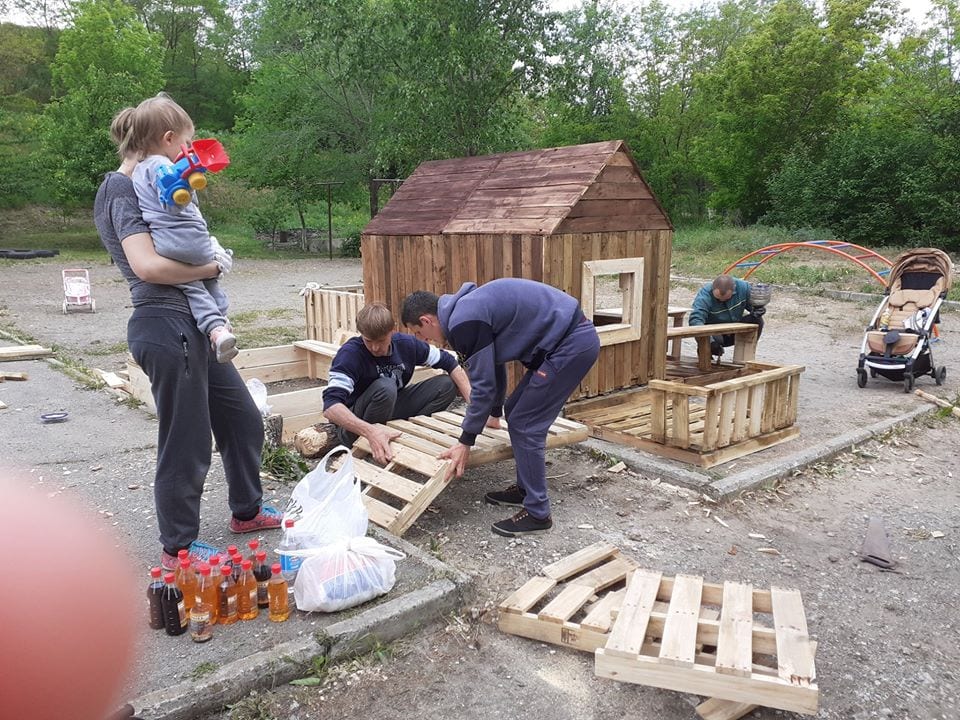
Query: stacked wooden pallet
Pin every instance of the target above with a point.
(678, 633)
(399, 493)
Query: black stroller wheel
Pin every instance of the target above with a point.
(861, 378)
(873, 373)
(908, 382)
(940, 375)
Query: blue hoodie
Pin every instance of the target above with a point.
(707, 310)
(503, 320)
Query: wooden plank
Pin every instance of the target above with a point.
(610, 573)
(24, 352)
(399, 487)
(726, 418)
(566, 604)
(680, 628)
(613, 223)
(431, 488)
(794, 656)
(600, 616)
(111, 379)
(680, 436)
(579, 561)
(740, 416)
(704, 680)
(528, 595)
(658, 417)
(626, 637)
(710, 420)
(735, 640)
(717, 709)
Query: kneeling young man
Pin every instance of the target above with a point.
(369, 382)
(504, 320)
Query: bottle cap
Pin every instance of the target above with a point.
(185, 563)
(231, 550)
(204, 569)
(253, 545)
(261, 555)
(183, 554)
(226, 570)
(246, 565)
(214, 561)
(168, 578)
(237, 559)
(288, 522)
(275, 568)
(155, 572)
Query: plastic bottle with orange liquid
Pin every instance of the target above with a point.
(207, 592)
(247, 594)
(277, 590)
(227, 592)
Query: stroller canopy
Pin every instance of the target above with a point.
(929, 261)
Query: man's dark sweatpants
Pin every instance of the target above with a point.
(383, 401)
(719, 342)
(536, 403)
(194, 394)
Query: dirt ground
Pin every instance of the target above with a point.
(887, 639)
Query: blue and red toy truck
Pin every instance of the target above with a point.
(175, 182)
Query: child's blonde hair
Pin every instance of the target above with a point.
(137, 131)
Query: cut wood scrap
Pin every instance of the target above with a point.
(112, 380)
(954, 410)
(3, 405)
(12, 376)
(315, 440)
(24, 352)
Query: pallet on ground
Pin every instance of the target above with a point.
(399, 493)
(754, 664)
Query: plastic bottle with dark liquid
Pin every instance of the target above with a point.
(254, 546)
(174, 612)
(261, 571)
(236, 561)
(228, 597)
(154, 593)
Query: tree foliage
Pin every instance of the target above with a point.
(106, 59)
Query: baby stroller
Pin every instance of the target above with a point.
(76, 291)
(896, 344)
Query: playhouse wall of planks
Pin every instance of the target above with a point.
(564, 216)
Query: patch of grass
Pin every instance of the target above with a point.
(251, 316)
(282, 464)
(255, 706)
(101, 349)
(202, 670)
(316, 672)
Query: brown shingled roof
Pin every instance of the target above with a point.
(530, 192)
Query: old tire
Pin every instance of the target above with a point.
(861, 378)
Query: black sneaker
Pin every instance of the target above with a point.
(512, 496)
(523, 523)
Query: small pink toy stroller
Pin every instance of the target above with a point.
(76, 292)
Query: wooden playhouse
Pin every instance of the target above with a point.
(570, 217)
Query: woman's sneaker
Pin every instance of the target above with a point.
(512, 495)
(523, 523)
(269, 518)
(198, 552)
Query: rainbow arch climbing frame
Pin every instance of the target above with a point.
(875, 264)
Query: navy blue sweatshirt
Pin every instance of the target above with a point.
(503, 320)
(354, 368)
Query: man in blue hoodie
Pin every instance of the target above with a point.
(503, 320)
(725, 300)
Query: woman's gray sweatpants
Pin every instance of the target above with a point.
(195, 394)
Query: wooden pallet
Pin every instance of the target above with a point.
(753, 664)
(573, 601)
(399, 493)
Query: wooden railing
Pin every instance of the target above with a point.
(330, 312)
(711, 417)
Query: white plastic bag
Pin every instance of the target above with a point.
(344, 574)
(258, 391)
(327, 506)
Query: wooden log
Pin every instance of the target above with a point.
(314, 441)
(954, 410)
(273, 430)
(12, 376)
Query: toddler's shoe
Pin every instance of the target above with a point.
(224, 343)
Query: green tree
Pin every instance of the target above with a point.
(786, 85)
(106, 59)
